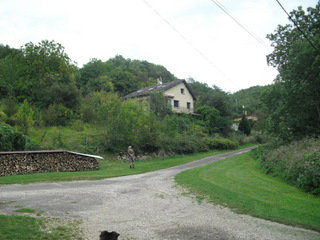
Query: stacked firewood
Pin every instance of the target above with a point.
(23, 163)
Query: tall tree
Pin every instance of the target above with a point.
(297, 59)
(216, 98)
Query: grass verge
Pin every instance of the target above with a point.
(110, 168)
(28, 228)
(239, 184)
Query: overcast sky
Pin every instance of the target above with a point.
(191, 38)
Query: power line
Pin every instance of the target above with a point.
(187, 41)
(294, 22)
(256, 37)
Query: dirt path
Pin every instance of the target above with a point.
(144, 207)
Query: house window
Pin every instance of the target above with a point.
(182, 91)
(169, 102)
(176, 103)
(188, 105)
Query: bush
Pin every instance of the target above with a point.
(57, 115)
(255, 137)
(11, 139)
(297, 162)
(3, 116)
(221, 143)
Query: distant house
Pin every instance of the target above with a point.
(236, 121)
(178, 94)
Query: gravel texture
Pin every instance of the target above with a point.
(145, 207)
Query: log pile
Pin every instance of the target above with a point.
(14, 163)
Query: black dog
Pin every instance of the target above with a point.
(105, 235)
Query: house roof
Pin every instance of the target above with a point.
(160, 87)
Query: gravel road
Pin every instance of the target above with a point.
(146, 207)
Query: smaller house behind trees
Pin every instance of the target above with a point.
(177, 93)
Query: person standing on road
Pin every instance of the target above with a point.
(131, 156)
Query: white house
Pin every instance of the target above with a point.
(178, 94)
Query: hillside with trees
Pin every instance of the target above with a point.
(44, 95)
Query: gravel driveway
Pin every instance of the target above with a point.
(146, 207)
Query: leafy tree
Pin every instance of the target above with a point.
(91, 70)
(211, 119)
(12, 70)
(35, 71)
(58, 115)
(216, 98)
(5, 51)
(47, 65)
(297, 88)
(125, 75)
(124, 82)
(244, 126)
(24, 118)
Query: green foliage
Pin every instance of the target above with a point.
(3, 117)
(250, 98)
(221, 143)
(127, 123)
(297, 162)
(11, 139)
(5, 51)
(120, 75)
(40, 86)
(158, 104)
(211, 119)
(293, 102)
(9, 106)
(244, 126)
(43, 74)
(216, 98)
(57, 115)
(24, 118)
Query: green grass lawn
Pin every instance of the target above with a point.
(28, 228)
(108, 168)
(239, 184)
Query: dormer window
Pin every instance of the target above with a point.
(182, 90)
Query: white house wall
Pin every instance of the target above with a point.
(183, 99)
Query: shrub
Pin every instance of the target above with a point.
(24, 118)
(221, 143)
(297, 162)
(309, 176)
(57, 115)
(11, 139)
(183, 143)
(255, 137)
